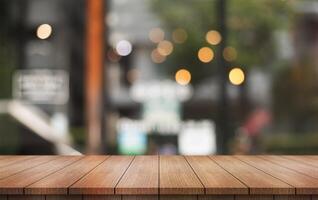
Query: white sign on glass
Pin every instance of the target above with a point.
(197, 138)
(41, 86)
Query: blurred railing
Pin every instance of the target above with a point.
(38, 122)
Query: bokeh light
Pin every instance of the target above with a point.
(179, 35)
(236, 76)
(229, 54)
(205, 54)
(44, 31)
(156, 57)
(213, 37)
(156, 35)
(123, 48)
(183, 77)
(165, 47)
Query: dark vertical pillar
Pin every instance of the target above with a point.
(222, 126)
(105, 92)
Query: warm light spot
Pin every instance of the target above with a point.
(179, 35)
(44, 31)
(183, 77)
(123, 48)
(165, 48)
(156, 57)
(229, 54)
(213, 37)
(205, 54)
(156, 35)
(236, 76)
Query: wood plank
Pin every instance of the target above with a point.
(9, 160)
(289, 197)
(303, 184)
(28, 197)
(294, 165)
(177, 177)
(216, 197)
(257, 181)
(254, 197)
(60, 181)
(15, 184)
(308, 160)
(140, 197)
(139, 178)
(142, 177)
(178, 197)
(214, 178)
(313, 157)
(104, 178)
(63, 197)
(23, 165)
(101, 197)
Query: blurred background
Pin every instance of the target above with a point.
(136, 77)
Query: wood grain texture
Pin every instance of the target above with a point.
(104, 178)
(17, 167)
(142, 177)
(29, 197)
(257, 181)
(178, 197)
(308, 160)
(63, 197)
(9, 160)
(254, 197)
(177, 177)
(60, 181)
(16, 183)
(145, 177)
(214, 178)
(216, 197)
(139, 197)
(306, 169)
(303, 184)
(289, 197)
(101, 197)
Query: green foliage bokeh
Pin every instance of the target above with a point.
(250, 26)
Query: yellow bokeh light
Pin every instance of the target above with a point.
(183, 77)
(179, 35)
(165, 48)
(236, 76)
(156, 57)
(205, 54)
(44, 31)
(156, 35)
(229, 54)
(213, 37)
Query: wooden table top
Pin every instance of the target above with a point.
(164, 175)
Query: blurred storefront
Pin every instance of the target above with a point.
(175, 78)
